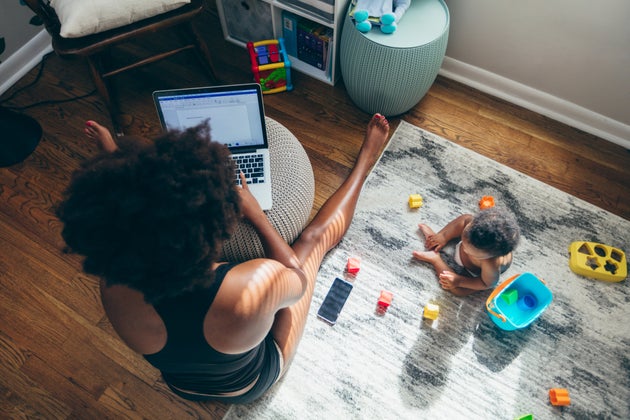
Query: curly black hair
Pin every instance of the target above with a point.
(153, 216)
(494, 230)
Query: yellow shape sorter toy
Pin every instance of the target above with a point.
(603, 262)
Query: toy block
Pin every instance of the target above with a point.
(599, 261)
(525, 417)
(415, 201)
(354, 265)
(385, 299)
(510, 296)
(431, 311)
(559, 396)
(486, 202)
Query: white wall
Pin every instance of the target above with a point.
(25, 42)
(568, 59)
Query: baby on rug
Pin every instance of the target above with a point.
(487, 240)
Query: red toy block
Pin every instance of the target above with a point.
(385, 299)
(354, 265)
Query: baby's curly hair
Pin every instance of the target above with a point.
(494, 230)
(153, 216)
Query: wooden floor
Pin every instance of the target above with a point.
(59, 357)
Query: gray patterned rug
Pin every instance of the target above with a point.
(400, 366)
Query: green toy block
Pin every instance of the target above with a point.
(510, 296)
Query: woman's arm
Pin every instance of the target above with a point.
(274, 245)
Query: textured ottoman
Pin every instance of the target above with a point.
(293, 193)
(391, 73)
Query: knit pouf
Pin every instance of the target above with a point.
(293, 192)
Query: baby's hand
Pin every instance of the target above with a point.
(448, 280)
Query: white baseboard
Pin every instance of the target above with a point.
(23, 60)
(537, 101)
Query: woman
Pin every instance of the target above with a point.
(150, 220)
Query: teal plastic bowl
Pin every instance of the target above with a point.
(518, 301)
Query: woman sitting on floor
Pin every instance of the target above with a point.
(150, 219)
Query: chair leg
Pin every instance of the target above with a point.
(203, 51)
(106, 95)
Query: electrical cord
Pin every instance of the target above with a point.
(47, 102)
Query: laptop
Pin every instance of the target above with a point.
(236, 118)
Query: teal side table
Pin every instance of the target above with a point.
(391, 73)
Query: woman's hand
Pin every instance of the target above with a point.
(249, 205)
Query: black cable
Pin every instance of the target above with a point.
(48, 102)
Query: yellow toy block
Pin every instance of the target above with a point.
(415, 201)
(602, 262)
(431, 311)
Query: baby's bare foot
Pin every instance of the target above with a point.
(102, 136)
(426, 230)
(426, 256)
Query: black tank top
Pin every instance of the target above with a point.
(188, 362)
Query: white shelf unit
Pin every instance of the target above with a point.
(276, 9)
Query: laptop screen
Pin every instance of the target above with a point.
(235, 113)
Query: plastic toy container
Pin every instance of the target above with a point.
(270, 65)
(600, 261)
(526, 297)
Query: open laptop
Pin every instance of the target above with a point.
(237, 119)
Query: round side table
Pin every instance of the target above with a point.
(391, 73)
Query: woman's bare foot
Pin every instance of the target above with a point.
(102, 135)
(376, 137)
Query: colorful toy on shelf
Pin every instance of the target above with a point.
(526, 297)
(415, 201)
(270, 65)
(602, 262)
(431, 311)
(486, 202)
(354, 265)
(384, 300)
(559, 396)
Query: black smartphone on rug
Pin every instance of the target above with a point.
(334, 300)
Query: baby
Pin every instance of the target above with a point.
(487, 240)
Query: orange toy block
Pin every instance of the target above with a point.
(559, 396)
(486, 202)
(354, 265)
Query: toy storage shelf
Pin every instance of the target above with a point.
(276, 7)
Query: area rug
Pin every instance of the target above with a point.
(401, 366)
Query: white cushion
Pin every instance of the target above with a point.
(85, 17)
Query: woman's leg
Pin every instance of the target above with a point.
(324, 232)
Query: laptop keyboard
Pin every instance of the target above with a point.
(252, 166)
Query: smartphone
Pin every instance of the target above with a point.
(334, 301)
